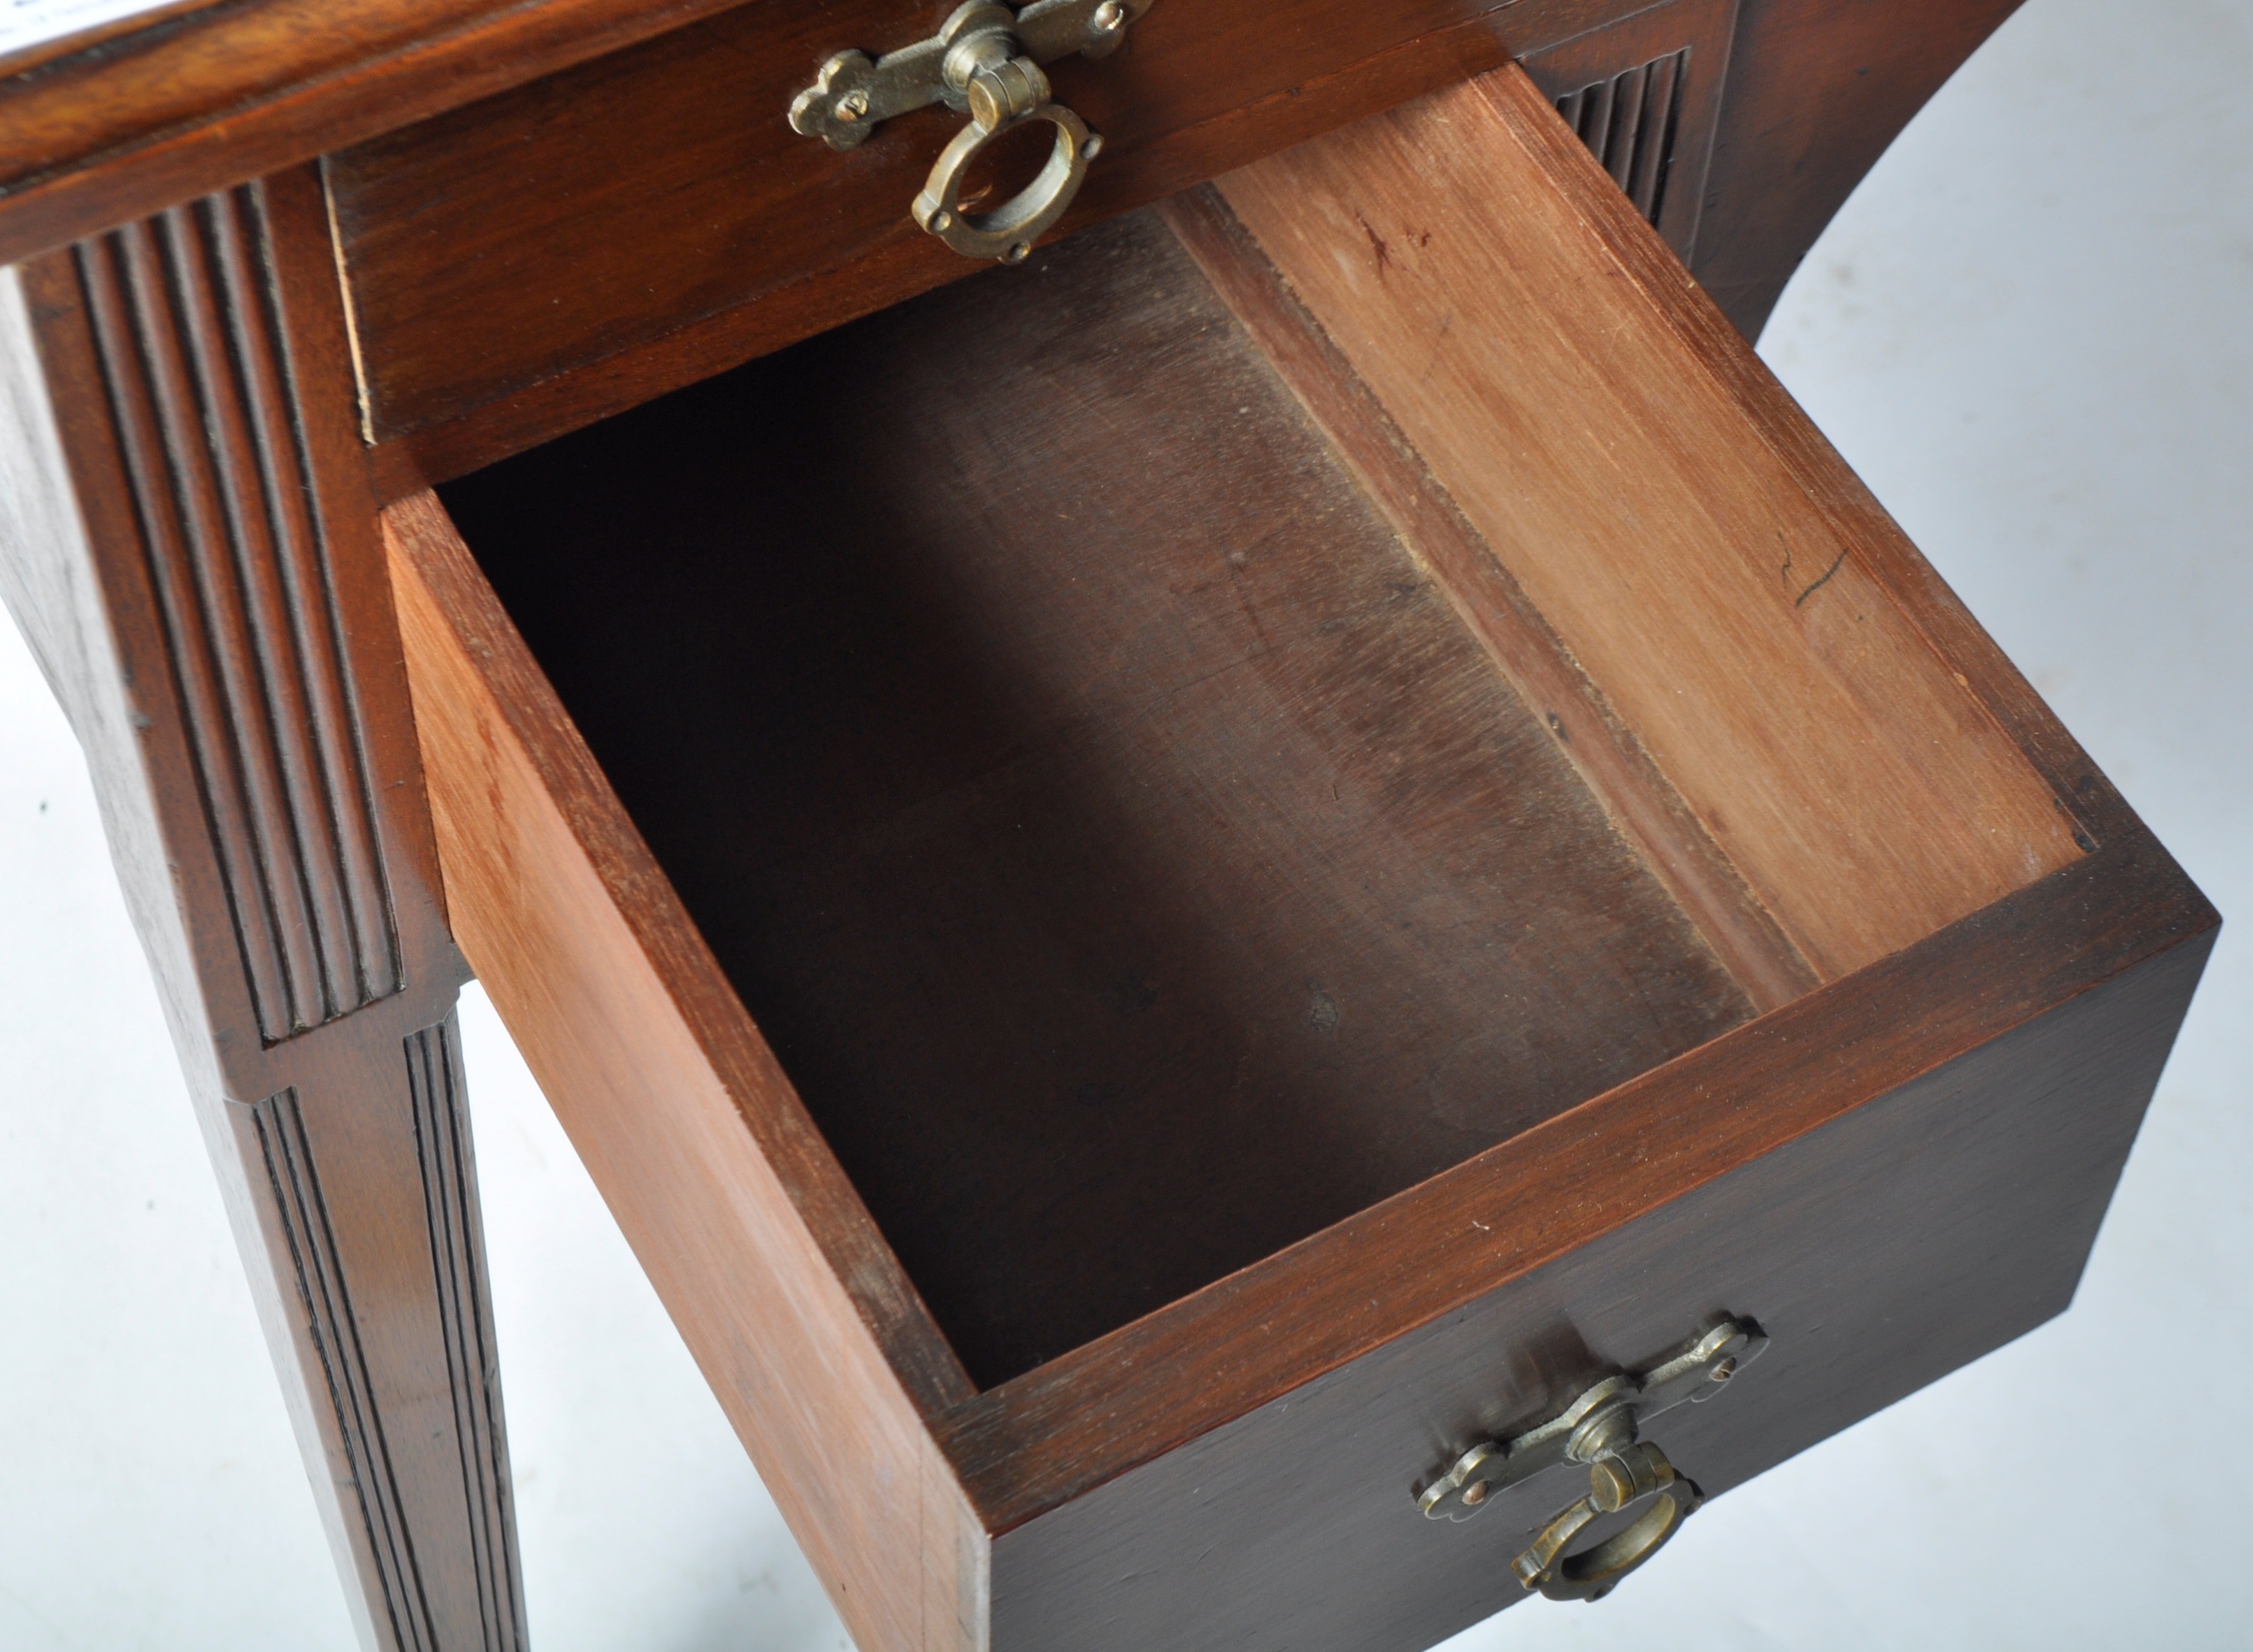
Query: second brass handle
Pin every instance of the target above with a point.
(1617, 1481)
(1600, 1430)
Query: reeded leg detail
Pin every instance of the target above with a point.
(192, 548)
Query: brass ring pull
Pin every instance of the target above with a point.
(1007, 233)
(986, 59)
(1615, 1482)
(1599, 1429)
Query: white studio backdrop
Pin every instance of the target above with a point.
(2031, 332)
(25, 23)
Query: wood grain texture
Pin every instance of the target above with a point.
(543, 259)
(1723, 1116)
(1818, 90)
(1554, 369)
(122, 121)
(1489, 602)
(813, 1340)
(1150, 870)
(191, 542)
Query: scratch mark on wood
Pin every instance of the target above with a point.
(1384, 254)
(1838, 562)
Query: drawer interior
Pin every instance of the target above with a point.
(1130, 858)
(1128, 828)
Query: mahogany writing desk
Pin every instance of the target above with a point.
(1204, 905)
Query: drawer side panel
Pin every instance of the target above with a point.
(814, 1344)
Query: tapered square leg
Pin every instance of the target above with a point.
(188, 540)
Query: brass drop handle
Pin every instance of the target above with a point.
(1011, 94)
(1600, 1428)
(1616, 1482)
(985, 60)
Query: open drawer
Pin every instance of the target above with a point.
(1171, 887)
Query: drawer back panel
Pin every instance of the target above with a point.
(1720, 591)
(525, 265)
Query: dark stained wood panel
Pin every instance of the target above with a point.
(203, 359)
(1879, 1251)
(324, 1306)
(438, 1090)
(1042, 1440)
(530, 263)
(121, 121)
(1047, 1438)
(1129, 856)
(1025, 849)
(1628, 120)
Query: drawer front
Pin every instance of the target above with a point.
(1880, 1252)
(530, 263)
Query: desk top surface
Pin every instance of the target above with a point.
(129, 109)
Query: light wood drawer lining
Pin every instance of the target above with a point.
(1559, 377)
